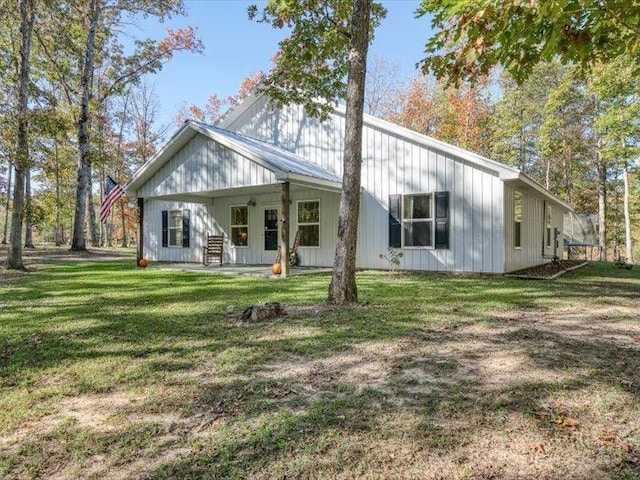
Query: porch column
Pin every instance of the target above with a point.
(140, 245)
(284, 231)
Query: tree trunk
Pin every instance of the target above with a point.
(627, 215)
(125, 240)
(59, 237)
(5, 233)
(84, 169)
(343, 287)
(93, 224)
(110, 230)
(28, 210)
(103, 225)
(547, 175)
(27, 16)
(602, 207)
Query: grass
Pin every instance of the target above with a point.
(109, 371)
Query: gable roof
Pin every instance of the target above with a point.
(284, 164)
(505, 172)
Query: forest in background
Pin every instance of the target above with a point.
(576, 134)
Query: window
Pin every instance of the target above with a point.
(548, 215)
(517, 220)
(175, 228)
(309, 223)
(240, 226)
(417, 220)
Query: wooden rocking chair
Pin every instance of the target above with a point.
(213, 250)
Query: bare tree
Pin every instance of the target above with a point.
(380, 85)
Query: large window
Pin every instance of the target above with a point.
(309, 223)
(240, 226)
(417, 220)
(175, 228)
(517, 220)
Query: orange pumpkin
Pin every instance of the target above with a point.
(276, 268)
(143, 262)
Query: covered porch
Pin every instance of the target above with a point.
(258, 197)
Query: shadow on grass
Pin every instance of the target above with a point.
(304, 387)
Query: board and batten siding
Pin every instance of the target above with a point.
(203, 165)
(393, 164)
(200, 223)
(214, 218)
(252, 254)
(533, 230)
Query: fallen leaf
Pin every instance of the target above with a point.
(567, 422)
(607, 437)
(570, 423)
(626, 448)
(538, 448)
(542, 415)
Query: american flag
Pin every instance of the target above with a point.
(112, 192)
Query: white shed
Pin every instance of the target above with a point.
(445, 208)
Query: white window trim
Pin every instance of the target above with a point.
(319, 222)
(431, 219)
(516, 193)
(169, 227)
(232, 226)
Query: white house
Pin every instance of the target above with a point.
(445, 208)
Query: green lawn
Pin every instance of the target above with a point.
(108, 371)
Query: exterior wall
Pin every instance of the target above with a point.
(533, 230)
(214, 219)
(200, 221)
(291, 129)
(203, 165)
(393, 164)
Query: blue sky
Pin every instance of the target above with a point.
(236, 47)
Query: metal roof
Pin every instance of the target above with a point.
(275, 157)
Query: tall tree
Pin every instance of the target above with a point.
(381, 84)
(616, 89)
(471, 37)
(216, 106)
(5, 228)
(99, 48)
(455, 115)
(328, 40)
(145, 109)
(22, 161)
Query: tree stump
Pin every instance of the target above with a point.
(259, 313)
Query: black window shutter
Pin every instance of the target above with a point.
(395, 221)
(165, 228)
(442, 219)
(185, 227)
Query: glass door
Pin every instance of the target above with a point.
(270, 242)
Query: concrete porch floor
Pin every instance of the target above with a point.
(236, 269)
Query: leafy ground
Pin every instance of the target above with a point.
(548, 270)
(108, 371)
